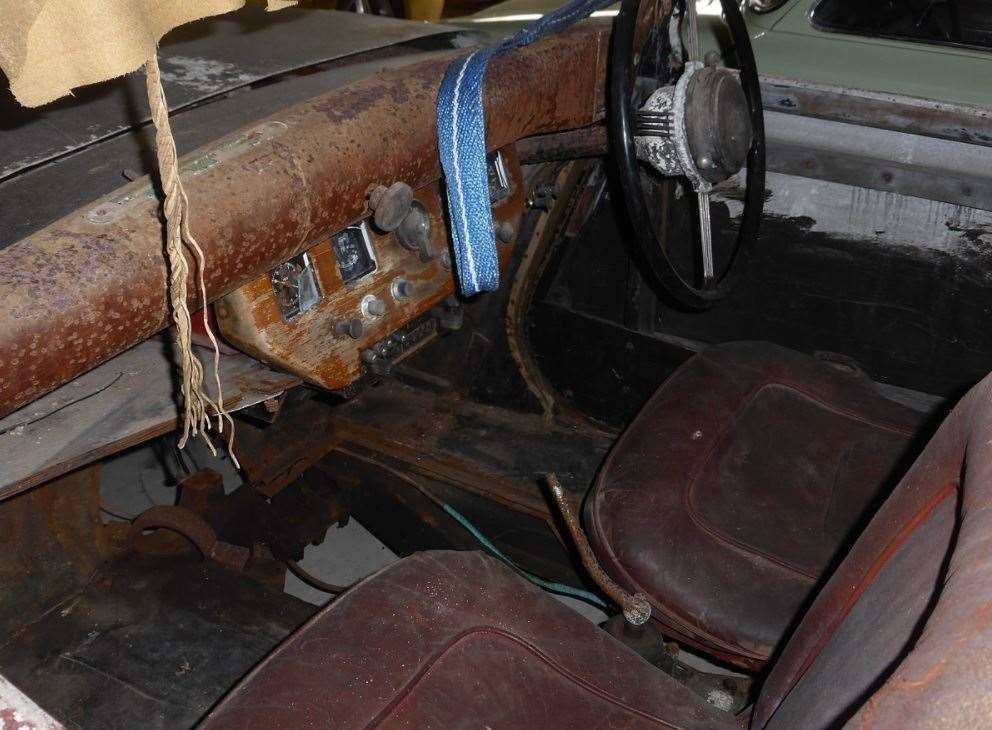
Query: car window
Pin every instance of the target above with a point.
(953, 22)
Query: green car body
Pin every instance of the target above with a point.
(787, 45)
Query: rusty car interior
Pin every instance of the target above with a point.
(712, 448)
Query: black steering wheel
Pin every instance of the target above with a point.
(701, 127)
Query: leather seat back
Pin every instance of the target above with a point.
(901, 633)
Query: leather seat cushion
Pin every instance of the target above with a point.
(741, 481)
(900, 635)
(450, 640)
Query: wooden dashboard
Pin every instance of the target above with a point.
(93, 284)
(358, 327)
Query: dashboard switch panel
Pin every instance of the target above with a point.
(373, 307)
(382, 294)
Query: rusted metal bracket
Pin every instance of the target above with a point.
(195, 529)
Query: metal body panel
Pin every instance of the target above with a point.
(884, 110)
(880, 159)
(200, 60)
(77, 293)
(786, 44)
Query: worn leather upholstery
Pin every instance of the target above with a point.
(456, 640)
(899, 637)
(737, 486)
(901, 634)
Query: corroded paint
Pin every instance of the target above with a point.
(77, 293)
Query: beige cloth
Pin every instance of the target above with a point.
(49, 47)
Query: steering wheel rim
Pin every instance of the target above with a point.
(621, 125)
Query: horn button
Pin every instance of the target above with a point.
(717, 124)
(699, 127)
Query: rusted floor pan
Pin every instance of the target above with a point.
(406, 455)
(502, 452)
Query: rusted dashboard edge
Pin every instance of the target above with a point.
(93, 284)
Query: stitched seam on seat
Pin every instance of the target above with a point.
(704, 524)
(679, 622)
(841, 411)
(847, 413)
(715, 531)
(672, 618)
(471, 633)
(887, 553)
(684, 623)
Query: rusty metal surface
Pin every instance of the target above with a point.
(40, 196)
(78, 292)
(567, 185)
(194, 528)
(570, 145)
(51, 542)
(124, 402)
(636, 608)
(273, 457)
(956, 122)
(488, 451)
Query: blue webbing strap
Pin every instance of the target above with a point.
(461, 137)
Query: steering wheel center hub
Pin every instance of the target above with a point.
(699, 127)
(706, 127)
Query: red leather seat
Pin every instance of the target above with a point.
(738, 485)
(899, 636)
(450, 640)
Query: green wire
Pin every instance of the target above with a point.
(547, 585)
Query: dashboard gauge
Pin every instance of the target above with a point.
(353, 251)
(294, 283)
(499, 180)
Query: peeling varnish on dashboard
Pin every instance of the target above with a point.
(308, 345)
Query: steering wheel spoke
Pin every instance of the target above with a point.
(690, 31)
(705, 125)
(706, 239)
